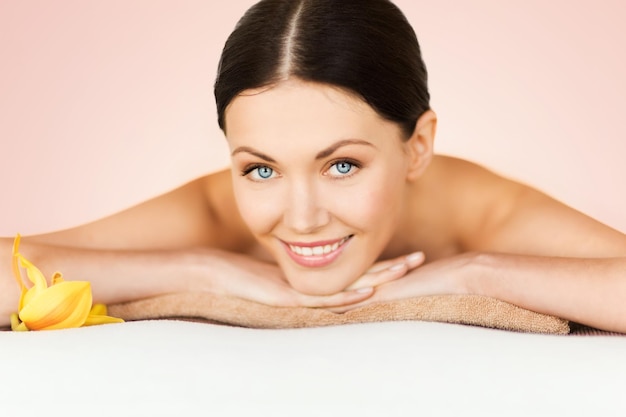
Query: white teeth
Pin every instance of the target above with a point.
(317, 250)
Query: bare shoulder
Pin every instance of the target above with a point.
(182, 217)
(473, 197)
(481, 192)
(495, 213)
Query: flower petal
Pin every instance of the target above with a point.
(65, 305)
(98, 310)
(36, 277)
(28, 295)
(16, 270)
(34, 274)
(17, 325)
(98, 315)
(95, 319)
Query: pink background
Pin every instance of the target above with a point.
(106, 104)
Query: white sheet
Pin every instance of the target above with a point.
(168, 368)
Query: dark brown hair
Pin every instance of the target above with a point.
(364, 46)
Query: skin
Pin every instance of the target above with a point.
(418, 223)
(298, 133)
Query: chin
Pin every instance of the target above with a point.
(322, 282)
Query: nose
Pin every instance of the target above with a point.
(305, 212)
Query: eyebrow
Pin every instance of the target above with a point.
(333, 148)
(321, 155)
(253, 152)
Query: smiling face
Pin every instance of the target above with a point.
(320, 179)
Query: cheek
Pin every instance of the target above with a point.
(361, 209)
(259, 209)
(371, 203)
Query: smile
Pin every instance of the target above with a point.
(316, 254)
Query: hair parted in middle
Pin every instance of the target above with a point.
(366, 47)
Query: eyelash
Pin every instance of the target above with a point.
(250, 168)
(353, 171)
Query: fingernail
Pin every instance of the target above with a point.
(365, 290)
(417, 256)
(397, 267)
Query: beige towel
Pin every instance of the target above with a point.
(463, 309)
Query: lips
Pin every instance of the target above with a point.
(316, 254)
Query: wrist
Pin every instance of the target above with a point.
(198, 270)
(208, 269)
(479, 269)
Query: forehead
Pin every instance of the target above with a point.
(299, 110)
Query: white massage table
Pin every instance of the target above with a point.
(174, 368)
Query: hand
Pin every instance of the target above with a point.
(248, 278)
(388, 270)
(444, 276)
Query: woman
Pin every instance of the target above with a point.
(335, 198)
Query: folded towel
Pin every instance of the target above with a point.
(462, 309)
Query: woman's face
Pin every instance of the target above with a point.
(320, 179)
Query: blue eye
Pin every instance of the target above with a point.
(342, 168)
(265, 172)
(259, 173)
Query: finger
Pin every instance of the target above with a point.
(340, 299)
(382, 265)
(413, 260)
(374, 279)
(394, 290)
(396, 269)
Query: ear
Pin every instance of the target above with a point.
(420, 145)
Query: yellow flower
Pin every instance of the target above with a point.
(62, 305)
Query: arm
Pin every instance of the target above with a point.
(566, 264)
(521, 246)
(583, 290)
(115, 275)
(132, 254)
